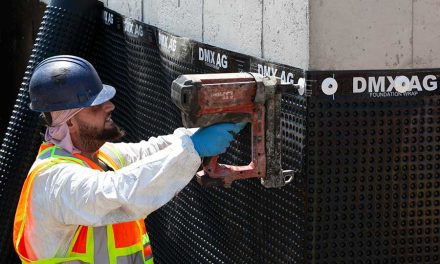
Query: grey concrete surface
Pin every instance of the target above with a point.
(180, 17)
(426, 33)
(357, 34)
(286, 32)
(310, 34)
(130, 8)
(234, 25)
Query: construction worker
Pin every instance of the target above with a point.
(85, 199)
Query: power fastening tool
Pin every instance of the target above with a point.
(206, 99)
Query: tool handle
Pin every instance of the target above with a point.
(215, 174)
(210, 164)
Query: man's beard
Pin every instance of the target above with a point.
(92, 139)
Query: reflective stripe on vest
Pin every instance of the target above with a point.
(110, 155)
(127, 243)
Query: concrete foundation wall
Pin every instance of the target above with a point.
(356, 34)
(234, 25)
(181, 17)
(286, 32)
(383, 34)
(426, 34)
(310, 34)
(273, 30)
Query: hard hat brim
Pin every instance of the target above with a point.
(106, 94)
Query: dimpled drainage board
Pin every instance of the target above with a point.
(61, 25)
(372, 176)
(245, 224)
(365, 151)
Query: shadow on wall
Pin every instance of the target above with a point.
(20, 20)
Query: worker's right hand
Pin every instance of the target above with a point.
(215, 139)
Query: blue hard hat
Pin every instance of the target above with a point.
(65, 82)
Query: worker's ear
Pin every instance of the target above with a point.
(69, 123)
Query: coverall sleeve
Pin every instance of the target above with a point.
(77, 195)
(132, 152)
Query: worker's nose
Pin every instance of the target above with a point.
(108, 106)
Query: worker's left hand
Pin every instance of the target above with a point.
(215, 139)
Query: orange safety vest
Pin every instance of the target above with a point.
(126, 242)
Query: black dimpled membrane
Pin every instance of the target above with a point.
(372, 170)
(199, 225)
(365, 151)
(59, 33)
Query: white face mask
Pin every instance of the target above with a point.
(59, 117)
(58, 132)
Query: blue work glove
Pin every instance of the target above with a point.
(213, 140)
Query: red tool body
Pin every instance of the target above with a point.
(206, 99)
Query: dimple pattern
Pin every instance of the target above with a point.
(367, 183)
(58, 34)
(372, 180)
(200, 225)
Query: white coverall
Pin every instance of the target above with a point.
(67, 195)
